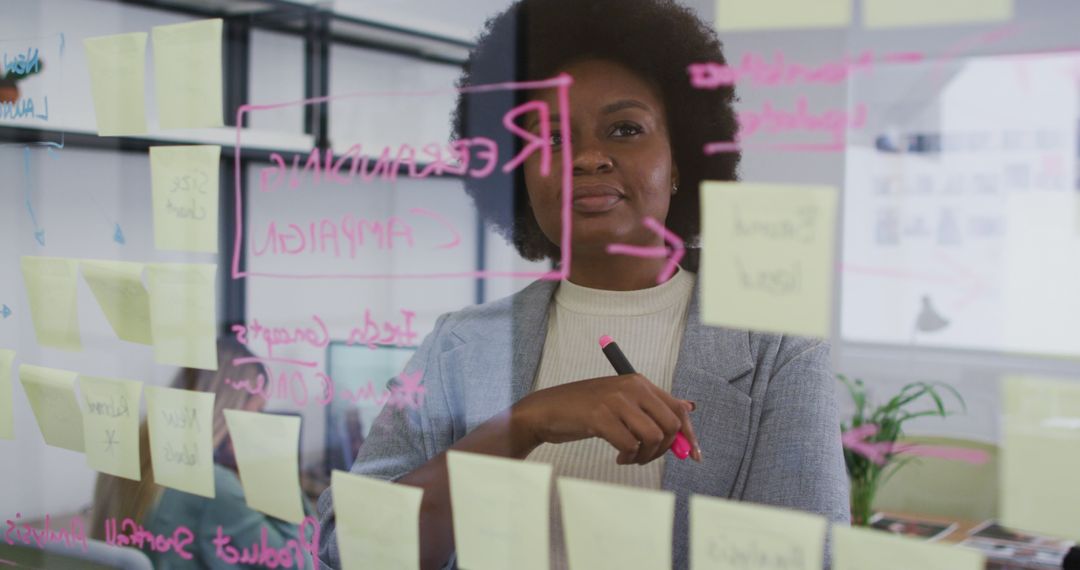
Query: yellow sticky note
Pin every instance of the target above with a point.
(610, 526)
(378, 522)
(266, 446)
(185, 192)
(117, 73)
(857, 548)
(111, 425)
(724, 535)
(740, 15)
(767, 257)
(51, 289)
(118, 288)
(1040, 456)
(187, 73)
(903, 13)
(501, 511)
(183, 312)
(7, 412)
(181, 427)
(52, 398)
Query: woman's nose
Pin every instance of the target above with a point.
(590, 158)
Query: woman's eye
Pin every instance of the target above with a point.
(626, 130)
(556, 139)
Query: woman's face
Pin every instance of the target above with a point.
(623, 169)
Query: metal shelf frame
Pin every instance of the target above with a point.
(320, 28)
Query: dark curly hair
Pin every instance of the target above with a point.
(656, 39)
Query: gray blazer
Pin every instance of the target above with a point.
(766, 417)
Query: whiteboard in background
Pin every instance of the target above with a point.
(960, 227)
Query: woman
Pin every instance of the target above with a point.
(524, 378)
(162, 510)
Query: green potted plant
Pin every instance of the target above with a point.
(870, 449)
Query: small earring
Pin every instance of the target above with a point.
(674, 188)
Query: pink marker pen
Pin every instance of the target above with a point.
(681, 446)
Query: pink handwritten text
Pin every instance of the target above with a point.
(130, 533)
(407, 393)
(756, 69)
(471, 157)
(371, 333)
(456, 158)
(773, 120)
(344, 237)
(262, 554)
(75, 534)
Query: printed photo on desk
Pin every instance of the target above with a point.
(540, 284)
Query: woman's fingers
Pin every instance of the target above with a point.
(611, 428)
(682, 409)
(668, 421)
(646, 430)
(631, 413)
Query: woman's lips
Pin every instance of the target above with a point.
(595, 199)
(596, 203)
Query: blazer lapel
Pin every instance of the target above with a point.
(530, 327)
(496, 364)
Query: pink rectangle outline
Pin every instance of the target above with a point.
(561, 82)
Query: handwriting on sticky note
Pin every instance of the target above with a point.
(183, 314)
(187, 74)
(768, 256)
(741, 15)
(266, 453)
(185, 196)
(1040, 455)
(7, 416)
(728, 535)
(609, 526)
(860, 548)
(904, 13)
(51, 290)
(181, 426)
(52, 398)
(119, 290)
(111, 425)
(501, 511)
(117, 73)
(378, 522)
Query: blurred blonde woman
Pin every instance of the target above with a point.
(165, 512)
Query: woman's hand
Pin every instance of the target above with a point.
(628, 411)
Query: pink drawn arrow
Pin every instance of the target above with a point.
(674, 241)
(855, 440)
(964, 454)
